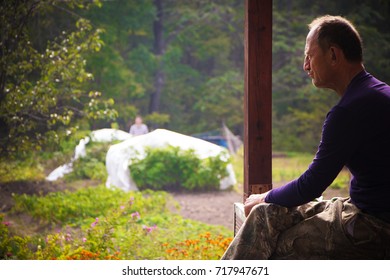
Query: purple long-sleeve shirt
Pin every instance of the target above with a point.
(355, 134)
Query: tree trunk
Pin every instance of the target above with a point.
(159, 50)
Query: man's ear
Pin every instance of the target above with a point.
(335, 54)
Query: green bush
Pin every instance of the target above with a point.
(92, 166)
(87, 168)
(17, 170)
(172, 168)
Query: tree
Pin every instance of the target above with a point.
(158, 56)
(43, 92)
(199, 42)
(159, 51)
(183, 61)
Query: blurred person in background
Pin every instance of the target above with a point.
(138, 128)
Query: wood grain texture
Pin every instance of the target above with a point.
(258, 95)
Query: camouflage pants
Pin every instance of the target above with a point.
(332, 229)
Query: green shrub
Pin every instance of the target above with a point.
(92, 166)
(172, 168)
(16, 170)
(87, 168)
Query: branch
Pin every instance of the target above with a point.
(71, 13)
(26, 17)
(74, 109)
(36, 117)
(67, 11)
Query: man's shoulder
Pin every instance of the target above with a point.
(365, 86)
(367, 93)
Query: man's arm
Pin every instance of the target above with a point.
(339, 141)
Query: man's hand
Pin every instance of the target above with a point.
(252, 201)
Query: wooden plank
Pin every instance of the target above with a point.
(239, 216)
(258, 97)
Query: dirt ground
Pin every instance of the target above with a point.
(214, 208)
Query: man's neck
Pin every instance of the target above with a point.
(346, 76)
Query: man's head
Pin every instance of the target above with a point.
(338, 31)
(333, 52)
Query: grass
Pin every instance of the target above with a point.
(237, 161)
(102, 223)
(285, 168)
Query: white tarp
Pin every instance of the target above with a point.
(101, 135)
(109, 135)
(119, 155)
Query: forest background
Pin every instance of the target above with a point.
(68, 65)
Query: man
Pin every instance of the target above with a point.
(283, 223)
(138, 128)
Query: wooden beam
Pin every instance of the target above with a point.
(258, 97)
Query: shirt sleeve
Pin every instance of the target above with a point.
(337, 144)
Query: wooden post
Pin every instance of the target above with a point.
(258, 97)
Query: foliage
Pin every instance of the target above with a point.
(157, 119)
(111, 224)
(198, 40)
(87, 168)
(34, 166)
(206, 247)
(197, 68)
(220, 96)
(12, 247)
(68, 207)
(174, 168)
(43, 91)
(92, 166)
(202, 63)
(17, 170)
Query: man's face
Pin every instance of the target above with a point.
(317, 62)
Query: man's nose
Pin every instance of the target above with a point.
(306, 64)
